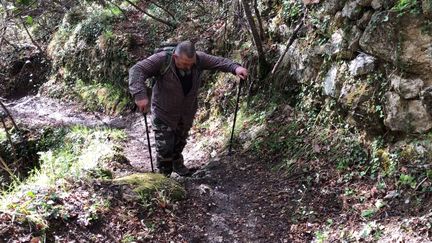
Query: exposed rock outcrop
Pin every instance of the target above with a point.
(361, 65)
(400, 40)
(407, 88)
(406, 115)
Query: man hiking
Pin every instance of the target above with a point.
(174, 97)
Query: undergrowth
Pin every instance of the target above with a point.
(77, 153)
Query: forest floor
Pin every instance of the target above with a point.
(231, 198)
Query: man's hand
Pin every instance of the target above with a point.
(241, 72)
(143, 105)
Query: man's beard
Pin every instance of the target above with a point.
(184, 72)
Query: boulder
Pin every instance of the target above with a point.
(142, 186)
(376, 4)
(352, 10)
(333, 80)
(361, 65)
(337, 44)
(400, 40)
(406, 115)
(353, 39)
(307, 2)
(331, 7)
(337, 22)
(407, 88)
(302, 62)
(358, 99)
(344, 44)
(386, 4)
(352, 94)
(364, 3)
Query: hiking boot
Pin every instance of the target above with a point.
(181, 169)
(166, 173)
(165, 168)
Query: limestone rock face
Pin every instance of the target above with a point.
(352, 95)
(337, 44)
(364, 3)
(406, 115)
(303, 63)
(352, 9)
(361, 65)
(333, 6)
(400, 40)
(427, 8)
(379, 4)
(359, 101)
(344, 44)
(407, 88)
(426, 97)
(354, 56)
(333, 80)
(364, 20)
(376, 4)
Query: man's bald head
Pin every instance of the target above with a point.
(186, 48)
(185, 55)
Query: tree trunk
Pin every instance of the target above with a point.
(258, 16)
(263, 66)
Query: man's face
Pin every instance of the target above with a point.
(184, 62)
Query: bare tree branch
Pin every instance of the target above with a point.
(289, 42)
(4, 166)
(10, 43)
(14, 154)
(151, 16)
(6, 110)
(164, 9)
(31, 37)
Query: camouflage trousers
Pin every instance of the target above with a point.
(169, 145)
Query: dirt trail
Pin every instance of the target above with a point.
(235, 198)
(36, 111)
(230, 198)
(224, 202)
(238, 199)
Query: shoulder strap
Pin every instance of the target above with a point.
(168, 61)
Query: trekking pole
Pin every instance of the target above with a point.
(235, 116)
(148, 141)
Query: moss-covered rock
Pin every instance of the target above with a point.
(110, 99)
(146, 184)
